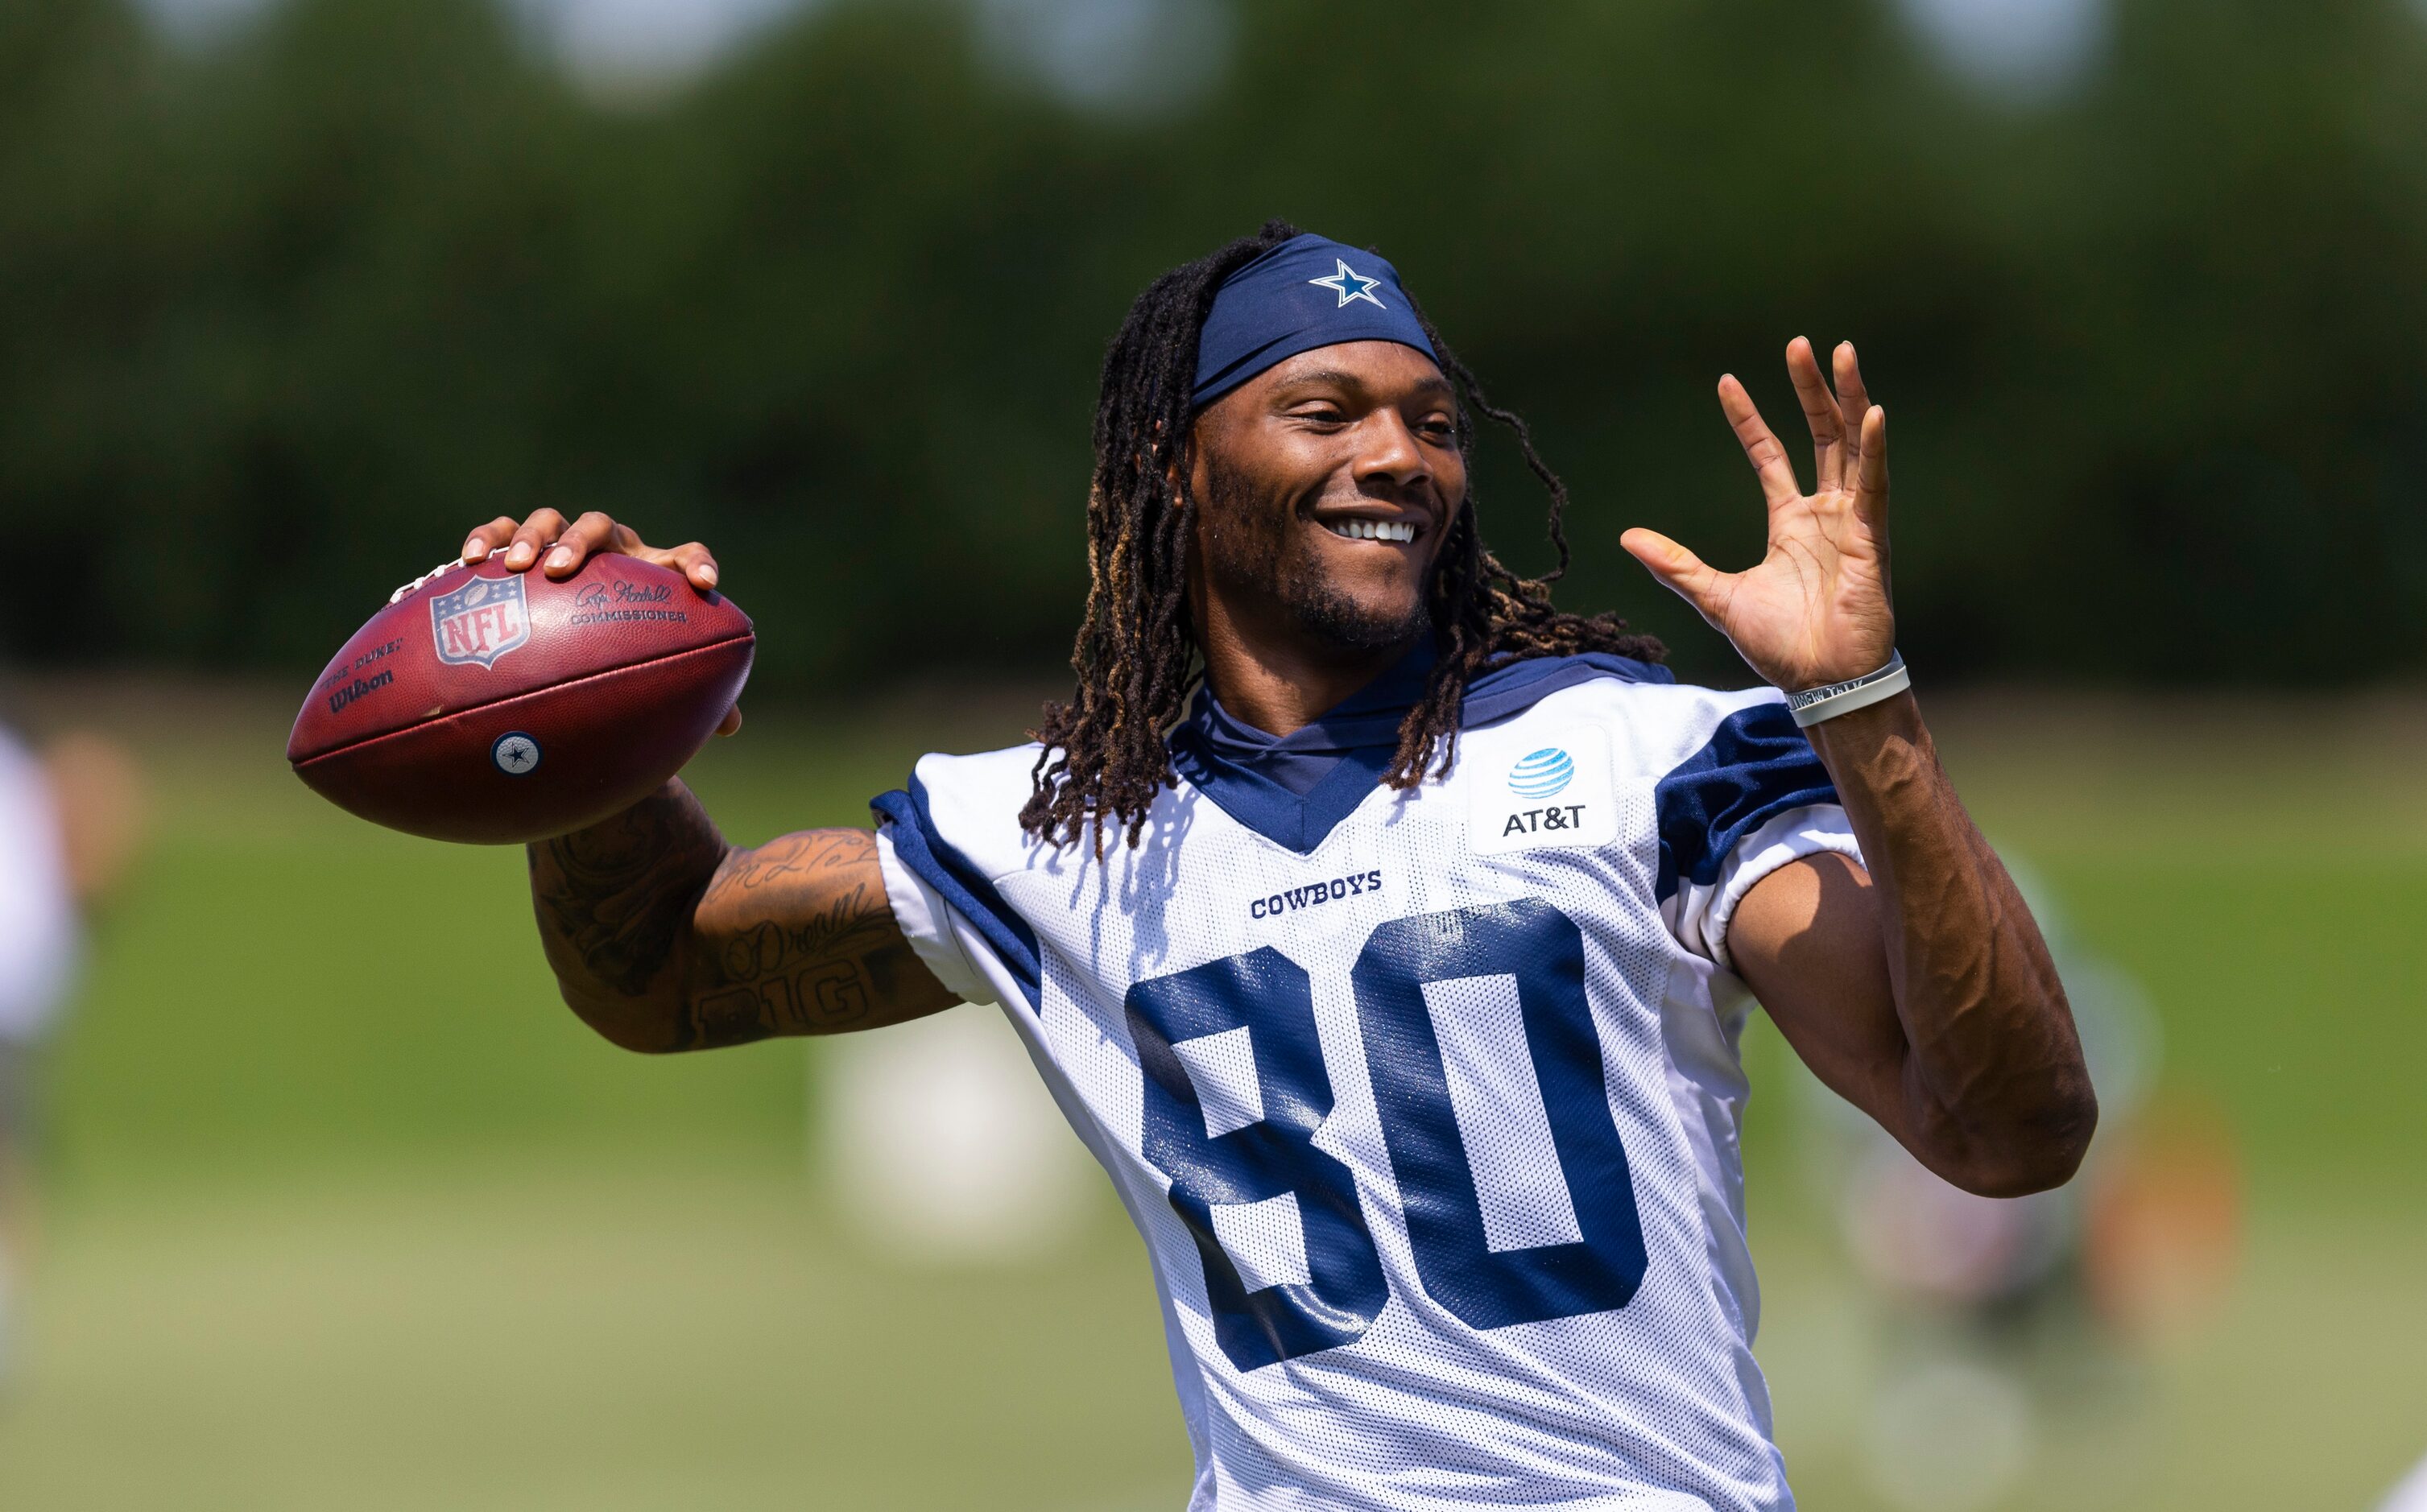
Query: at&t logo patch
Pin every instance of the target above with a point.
(1527, 793)
(480, 621)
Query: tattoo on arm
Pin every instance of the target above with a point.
(614, 899)
(797, 937)
(666, 939)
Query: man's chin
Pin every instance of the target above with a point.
(1344, 625)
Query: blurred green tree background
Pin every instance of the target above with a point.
(283, 311)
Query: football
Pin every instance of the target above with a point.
(495, 707)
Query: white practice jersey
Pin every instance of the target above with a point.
(1427, 1103)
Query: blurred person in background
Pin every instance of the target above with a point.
(69, 821)
(1397, 981)
(2007, 1341)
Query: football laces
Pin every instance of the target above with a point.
(398, 596)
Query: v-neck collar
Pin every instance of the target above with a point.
(1294, 790)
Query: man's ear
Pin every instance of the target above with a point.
(1190, 470)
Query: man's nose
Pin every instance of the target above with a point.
(1389, 456)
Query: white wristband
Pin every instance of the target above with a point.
(1813, 705)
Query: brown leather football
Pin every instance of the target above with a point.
(497, 707)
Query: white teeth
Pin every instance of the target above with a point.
(1372, 530)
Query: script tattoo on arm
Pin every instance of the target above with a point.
(665, 938)
(797, 937)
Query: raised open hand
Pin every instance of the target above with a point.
(1817, 607)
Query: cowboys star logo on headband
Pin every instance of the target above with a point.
(1263, 314)
(1350, 285)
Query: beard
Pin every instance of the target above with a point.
(1253, 548)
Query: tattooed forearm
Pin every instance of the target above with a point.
(798, 940)
(664, 938)
(615, 898)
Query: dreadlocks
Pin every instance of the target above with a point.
(1136, 660)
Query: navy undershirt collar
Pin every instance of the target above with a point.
(1295, 789)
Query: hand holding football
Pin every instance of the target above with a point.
(498, 707)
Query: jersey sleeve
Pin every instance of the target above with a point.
(38, 934)
(935, 840)
(928, 922)
(1751, 798)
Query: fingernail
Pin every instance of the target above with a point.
(708, 573)
(519, 553)
(474, 549)
(559, 558)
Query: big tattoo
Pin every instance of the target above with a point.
(661, 932)
(839, 955)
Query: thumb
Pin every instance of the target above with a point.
(1686, 574)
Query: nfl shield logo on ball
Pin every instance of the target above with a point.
(480, 621)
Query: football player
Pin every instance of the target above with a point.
(1386, 932)
(68, 826)
(37, 952)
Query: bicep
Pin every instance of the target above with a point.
(796, 936)
(1807, 940)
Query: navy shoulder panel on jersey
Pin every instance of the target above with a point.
(1514, 687)
(1756, 766)
(917, 844)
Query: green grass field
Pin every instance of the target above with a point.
(346, 1211)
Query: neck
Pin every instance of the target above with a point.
(1280, 683)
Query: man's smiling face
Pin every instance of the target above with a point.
(1326, 486)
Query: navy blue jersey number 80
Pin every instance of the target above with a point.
(1265, 1158)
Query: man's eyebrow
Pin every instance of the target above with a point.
(1340, 377)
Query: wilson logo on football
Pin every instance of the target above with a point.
(480, 621)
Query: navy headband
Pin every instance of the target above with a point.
(1309, 291)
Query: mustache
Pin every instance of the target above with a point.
(1249, 541)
